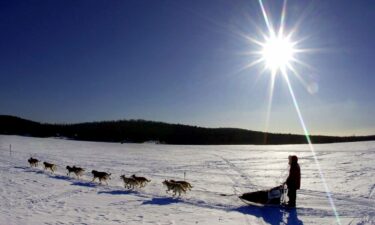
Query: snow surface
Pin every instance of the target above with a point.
(33, 196)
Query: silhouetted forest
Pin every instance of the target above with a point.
(139, 131)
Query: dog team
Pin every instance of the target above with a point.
(177, 187)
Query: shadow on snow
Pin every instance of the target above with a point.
(161, 201)
(22, 167)
(118, 192)
(58, 177)
(84, 184)
(29, 170)
(272, 215)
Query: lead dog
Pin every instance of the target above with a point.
(50, 166)
(33, 162)
(78, 171)
(102, 176)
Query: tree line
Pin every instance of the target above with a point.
(140, 131)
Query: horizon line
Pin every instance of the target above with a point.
(183, 124)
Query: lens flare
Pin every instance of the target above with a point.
(278, 52)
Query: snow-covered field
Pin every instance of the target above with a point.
(32, 196)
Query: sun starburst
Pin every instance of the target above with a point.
(278, 52)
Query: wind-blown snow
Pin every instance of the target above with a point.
(33, 196)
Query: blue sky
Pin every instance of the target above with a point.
(180, 62)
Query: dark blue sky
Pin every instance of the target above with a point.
(180, 61)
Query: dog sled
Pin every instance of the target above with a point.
(275, 197)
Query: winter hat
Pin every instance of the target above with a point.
(294, 159)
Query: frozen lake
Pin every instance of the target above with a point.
(32, 196)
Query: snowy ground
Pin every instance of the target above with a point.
(32, 196)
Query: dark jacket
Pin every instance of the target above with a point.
(294, 179)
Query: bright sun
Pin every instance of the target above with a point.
(277, 53)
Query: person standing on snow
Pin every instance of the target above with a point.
(293, 181)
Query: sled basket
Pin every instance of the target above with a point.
(274, 196)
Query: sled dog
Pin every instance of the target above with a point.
(141, 180)
(185, 184)
(33, 162)
(102, 176)
(175, 187)
(50, 166)
(129, 182)
(78, 171)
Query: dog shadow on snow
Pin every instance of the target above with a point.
(73, 180)
(161, 201)
(29, 170)
(152, 201)
(272, 215)
(118, 192)
(84, 184)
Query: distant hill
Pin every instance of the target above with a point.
(139, 131)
